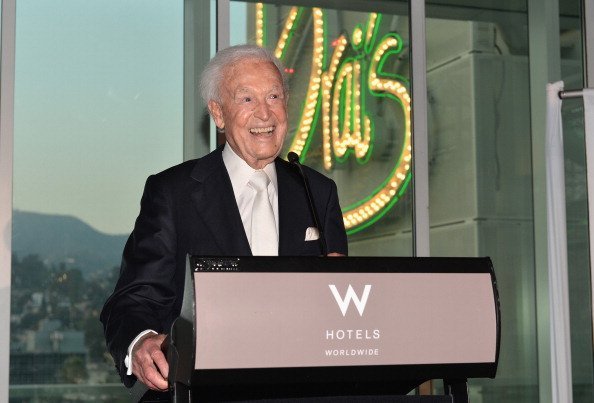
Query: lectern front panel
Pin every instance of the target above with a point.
(281, 320)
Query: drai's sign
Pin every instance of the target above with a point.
(349, 76)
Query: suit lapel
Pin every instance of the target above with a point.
(292, 209)
(215, 203)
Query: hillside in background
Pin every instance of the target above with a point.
(65, 239)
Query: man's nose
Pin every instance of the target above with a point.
(262, 110)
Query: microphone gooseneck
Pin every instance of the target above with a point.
(294, 159)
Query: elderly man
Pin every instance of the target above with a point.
(239, 200)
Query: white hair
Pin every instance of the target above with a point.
(211, 78)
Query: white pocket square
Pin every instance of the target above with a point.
(312, 234)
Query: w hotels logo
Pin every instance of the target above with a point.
(343, 303)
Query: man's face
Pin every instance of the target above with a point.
(253, 111)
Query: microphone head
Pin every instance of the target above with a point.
(293, 157)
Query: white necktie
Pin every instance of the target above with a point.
(264, 239)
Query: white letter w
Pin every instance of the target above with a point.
(343, 304)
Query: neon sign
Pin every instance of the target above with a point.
(337, 91)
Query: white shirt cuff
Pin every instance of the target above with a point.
(128, 359)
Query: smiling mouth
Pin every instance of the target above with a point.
(262, 130)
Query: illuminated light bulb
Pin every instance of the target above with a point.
(357, 36)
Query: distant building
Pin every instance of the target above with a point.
(39, 356)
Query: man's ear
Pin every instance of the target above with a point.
(217, 114)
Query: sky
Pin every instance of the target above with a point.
(98, 105)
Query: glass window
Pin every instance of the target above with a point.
(480, 171)
(572, 71)
(578, 249)
(98, 107)
(481, 174)
(480, 146)
(480, 168)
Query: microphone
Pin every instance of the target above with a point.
(294, 159)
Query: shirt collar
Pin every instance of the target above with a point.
(240, 172)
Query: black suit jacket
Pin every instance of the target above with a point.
(191, 208)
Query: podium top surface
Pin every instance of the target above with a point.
(302, 264)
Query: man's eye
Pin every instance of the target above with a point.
(247, 99)
(273, 96)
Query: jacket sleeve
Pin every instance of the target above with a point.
(145, 292)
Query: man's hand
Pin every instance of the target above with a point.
(334, 254)
(149, 364)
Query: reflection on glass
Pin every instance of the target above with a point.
(98, 107)
(578, 250)
(480, 174)
(349, 110)
(577, 211)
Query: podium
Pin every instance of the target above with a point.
(325, 329)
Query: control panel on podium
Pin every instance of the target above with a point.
(297, 327)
